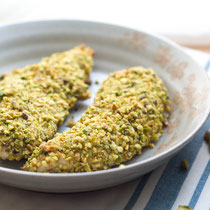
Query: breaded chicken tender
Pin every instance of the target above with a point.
(36, 99)
(127, 115)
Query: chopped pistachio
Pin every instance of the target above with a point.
(120, 149)
(155, 137)
(121, 166)
(119, 158)
(137, 146)
(88, 81)
(70, 123)
(140, 128)
(184, 208)
(207, 139)
(85, 131)
(25, 116)
(118, 93)
(185, 164)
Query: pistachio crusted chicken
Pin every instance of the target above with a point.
(35, 100)
(128, 114)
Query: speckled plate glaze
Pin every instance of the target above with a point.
(116, 48)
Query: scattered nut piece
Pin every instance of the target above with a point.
(185, 164)
(207, 139)
(88, 82)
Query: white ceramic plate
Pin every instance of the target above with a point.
(116, 48)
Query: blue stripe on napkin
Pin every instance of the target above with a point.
(137, 192)
(172, 179)
(207, 65)
(200, 186)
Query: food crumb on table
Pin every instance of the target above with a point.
(184, 164)
(184, 208)
(207, 139)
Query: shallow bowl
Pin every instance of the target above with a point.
(116, 48)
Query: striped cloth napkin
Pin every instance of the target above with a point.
(162, 189)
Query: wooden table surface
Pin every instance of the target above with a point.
(201, 48)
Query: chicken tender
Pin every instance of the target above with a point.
(36, 99)
(127, 115)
